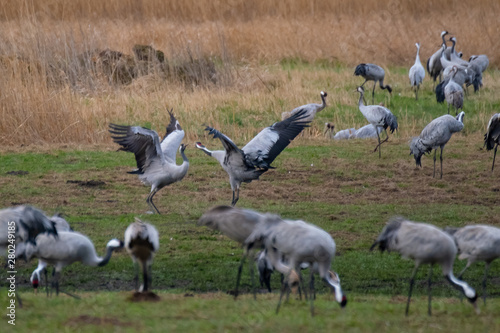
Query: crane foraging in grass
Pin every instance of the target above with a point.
(68, 248)
(156, 165)
(255, 158)
(141, 242)
(290, 244)
(372, 72)
(417, 72)
(436, 135)
(477, 243)
(492, 136)
(379, 116)
(425, 244)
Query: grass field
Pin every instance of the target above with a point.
(56, 154)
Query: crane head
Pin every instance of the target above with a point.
(199, 145)
(323, 94)
(182, 147)
(360, 89)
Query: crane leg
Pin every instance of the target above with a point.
(235, 199)
(486, 268)
(46, 281)
(238, 276)
(494, 155)
(145, 277)
(283, 287)
(150, 202)
(441, 160)
(312, 293)
(416, 93)
(373, 91)
(434, 173)
(378, 146)
(412, 282)
(136, 276)
(301, 281)
(150, 276)
(429, 289)
(252, 277)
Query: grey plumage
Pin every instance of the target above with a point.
(255, 158)
(434, 66)
(289, 244)
(29, 222)
(425, 244)
(372, 72)
(156, 165)
(492, 136)
(142, 242)
(436, 135)
(68, 248)
(477, 243)
(454, 93)
(379, 116)
(417, 72)
(310, 109)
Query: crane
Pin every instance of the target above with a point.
(372, 72)
(492, 136)
(255, 158)
(417, 72)
(156, 165)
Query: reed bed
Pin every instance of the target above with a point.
(232, 64)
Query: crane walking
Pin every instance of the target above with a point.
(426, 244)
(492, 136)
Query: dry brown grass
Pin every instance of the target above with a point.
(46, 97)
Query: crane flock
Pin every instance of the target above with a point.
(282, 245)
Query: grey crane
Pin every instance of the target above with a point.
(61, 225)
(417, 72)
(454, 56)
(492, 136)
(311, 109)
(481, 60)
(156, 165)
(379, 116)
(436, 135)
(27, 222)
(477, 243)
(142, 242)
(237, 224)
(68, 248)
(454, 93)
(255, 158)
(298, 242)
(426, 244)
(434, 66)
(372, 72)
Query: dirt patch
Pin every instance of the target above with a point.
(17, 173)
(87, 183)
(147, 296)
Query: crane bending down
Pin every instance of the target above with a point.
(425, 244)
(492, 136)
(254, 159)
(417, 72)
(372, 72)
(68, 248)
(141, 243)
(311, 109)
(477, 243)
(379, 117)
(436, 135)
(156, 165)
(289, 244)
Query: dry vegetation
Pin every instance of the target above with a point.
(219, 56)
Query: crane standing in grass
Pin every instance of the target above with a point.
(425, 244)
(156, 165)
(372, 72)
(254, 159)
(141, 242)
(417, 72)
(436, 135)
(492, 136)
(477, 243)
(379, 116)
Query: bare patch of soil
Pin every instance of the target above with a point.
(147, 296)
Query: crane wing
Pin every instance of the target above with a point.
(172, 139)
(234, 155)
(270, 142)
(143, 142)
(493, 132)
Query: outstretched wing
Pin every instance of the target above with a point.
(270, 142)
(172, 139)
(234, 155)
(143, 142)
